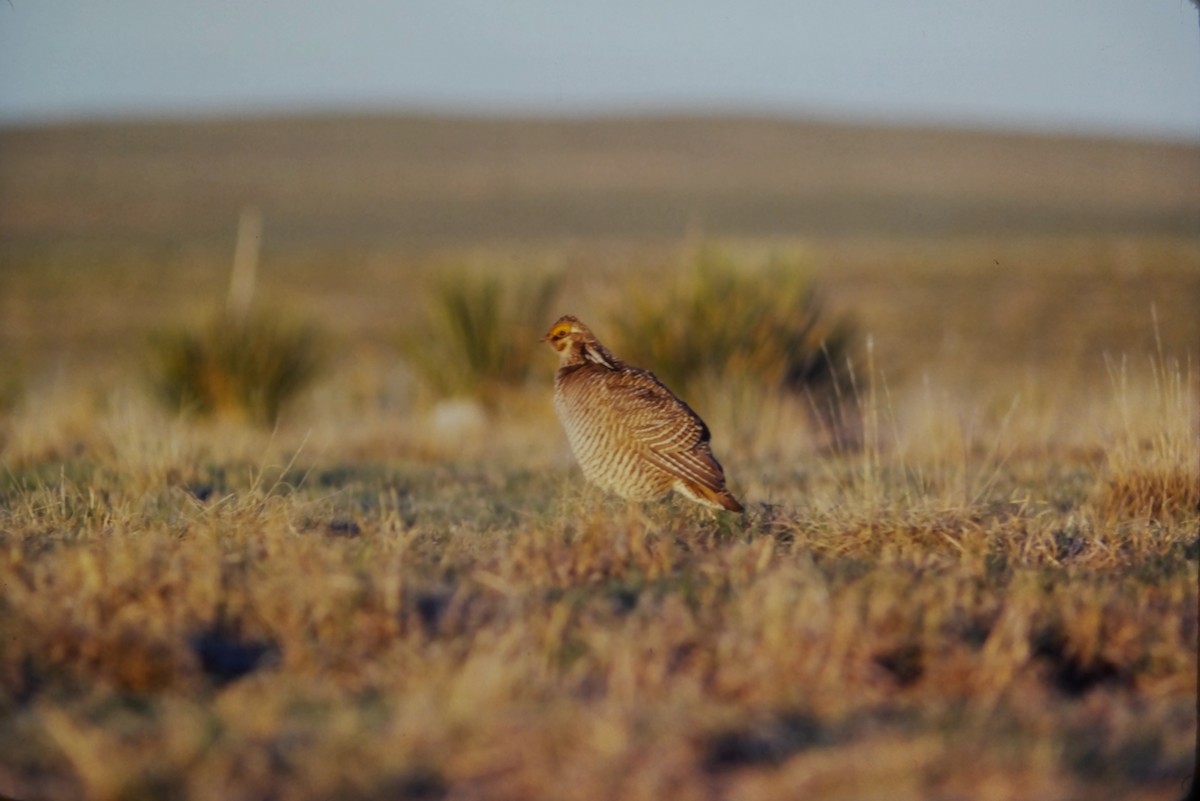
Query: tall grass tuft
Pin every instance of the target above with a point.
(724, 324)
(481, 333)
(246, 368)
(244, 364)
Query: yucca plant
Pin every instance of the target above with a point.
(244, 364)
(481, 332)
(235, 367)
(719, 322)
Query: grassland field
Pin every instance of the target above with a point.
(393, 593)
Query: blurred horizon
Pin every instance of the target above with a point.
(1106, 67)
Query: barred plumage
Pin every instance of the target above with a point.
(630, 434)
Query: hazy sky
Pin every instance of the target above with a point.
(1125, 66)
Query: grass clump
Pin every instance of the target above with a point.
(244, 364)
(1150, 495)
(481, 333)
(241, 367)
(726, 323)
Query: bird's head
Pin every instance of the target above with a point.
(575, 343)
(566, 332)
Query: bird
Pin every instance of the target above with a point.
(630, 434)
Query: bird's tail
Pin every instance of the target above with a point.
(716, 498)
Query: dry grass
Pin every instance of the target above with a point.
(995, 597)
(346, 609)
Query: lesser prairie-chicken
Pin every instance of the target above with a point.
(630, 434)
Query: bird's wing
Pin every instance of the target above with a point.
(672, 435)
(654, 416)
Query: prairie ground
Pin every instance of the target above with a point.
(396, 594)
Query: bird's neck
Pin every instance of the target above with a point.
(583, 353)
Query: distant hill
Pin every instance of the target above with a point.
(440, 180)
